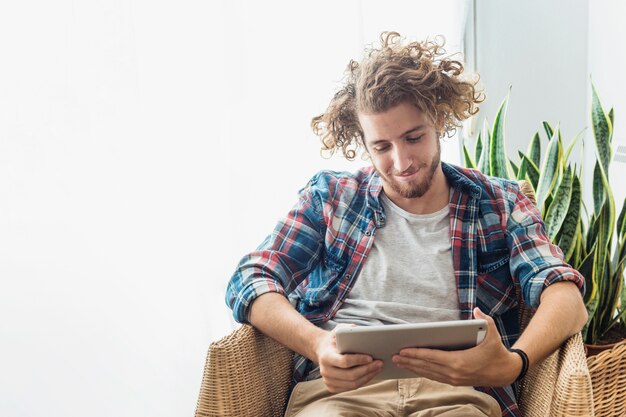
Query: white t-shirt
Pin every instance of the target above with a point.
(408, 276)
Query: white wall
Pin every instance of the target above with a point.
(106, 209)
(539, 49)
(144, 147)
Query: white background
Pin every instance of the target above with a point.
(145, 146)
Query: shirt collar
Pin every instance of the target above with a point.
(455, 176)
(459, 180)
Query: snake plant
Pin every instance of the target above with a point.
(592, 240)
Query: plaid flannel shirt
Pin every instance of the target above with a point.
(314, 255)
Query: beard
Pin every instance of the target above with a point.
(419, 186)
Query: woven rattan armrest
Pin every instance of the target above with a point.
(560, 385)
(247, 374)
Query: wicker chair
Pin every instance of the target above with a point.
(247, 374)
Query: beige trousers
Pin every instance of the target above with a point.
(414, 397)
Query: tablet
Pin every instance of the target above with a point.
(382, 342)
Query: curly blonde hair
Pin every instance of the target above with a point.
(417, 73)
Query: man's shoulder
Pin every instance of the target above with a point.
(339, 182)
(492, 188)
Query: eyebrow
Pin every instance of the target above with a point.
(412, 130)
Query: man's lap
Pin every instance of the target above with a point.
(416, 397)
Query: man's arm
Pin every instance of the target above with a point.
(273, 315)
(560, 315)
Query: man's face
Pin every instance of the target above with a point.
(404, 149)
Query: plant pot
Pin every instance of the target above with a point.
(592, 350)
(608, 379)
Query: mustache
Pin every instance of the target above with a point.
(409, 171)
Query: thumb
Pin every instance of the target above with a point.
(478, 314)
(491, 324)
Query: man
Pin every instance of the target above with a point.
(410, 239)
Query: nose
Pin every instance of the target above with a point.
(401, 159)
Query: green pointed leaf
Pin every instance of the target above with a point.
(514, 168)
(548, 172)
(620, 252)
(532, 171)
(534, 150)
(609, 204)
(586, 270)
(546, 205)
(587, 333)
(560, 205)
(479, 148)
(592, 232)
(582, 248)
(612, 119)
(571, 223)
(621, 222)
(561, 165)
(604, 303)
(483, 162)
(602, 130)
(615, 288)
(571, 146)
(598, 188)
(548, 129)
(575, 259)
(498, 161)
(606, 222)
(467, 158)
(622, 315)
(602, 264)
(599, 281)
(523, 168)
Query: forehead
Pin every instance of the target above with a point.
(392, 123)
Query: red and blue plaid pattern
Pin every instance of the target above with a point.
(315, 253)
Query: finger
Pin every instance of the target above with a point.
(339, 384)
(333, 338)
(369, 376)
(348, 360)
(354, 373)
(420, 365)
(441, 357)
(430, 370)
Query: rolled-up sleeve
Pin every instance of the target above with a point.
(535, 261)
(283, 260)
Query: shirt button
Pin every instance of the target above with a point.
(368, 233)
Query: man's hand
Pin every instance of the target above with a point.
(343, 372)
(489, 364)
(275, 316)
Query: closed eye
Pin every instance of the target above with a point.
(413, 140)
(382, 148)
